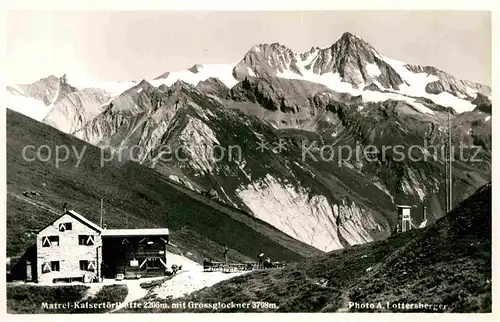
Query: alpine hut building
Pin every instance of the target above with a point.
(72, 248)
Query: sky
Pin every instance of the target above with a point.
(135, 45)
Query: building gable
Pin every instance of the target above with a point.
(71, 217)
(65, 225)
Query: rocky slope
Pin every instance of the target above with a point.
(453, 258)
(62, 102)
(76, 109)
(353, 66)
(446, 266)
(38, 98)
(205, 137)
(350, 66)
(267, 132)
(134, 197)
(182, 134)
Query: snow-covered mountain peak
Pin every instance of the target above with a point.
(267, 60)
(198, 73)
(350, 66)
(349, 39)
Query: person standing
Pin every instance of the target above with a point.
(261, 261)
(225, 254)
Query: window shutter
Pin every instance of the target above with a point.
(45, 241)
(46, 268)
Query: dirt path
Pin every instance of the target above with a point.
(192, 278)
(189, 282)
(33, 202)
(135, 292)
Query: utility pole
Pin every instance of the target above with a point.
(445, 156)
(101, 213)
(451, 164)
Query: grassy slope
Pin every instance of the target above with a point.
(448, 263)
(135, 197)
(109, 293)
(293, 288)
(29, 298)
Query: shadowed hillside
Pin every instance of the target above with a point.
(447, 264)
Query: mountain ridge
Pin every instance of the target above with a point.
(349, 65)
(186, 119)
(345, 95)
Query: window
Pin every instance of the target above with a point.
(54, 266)
(86, 265)
(48, 241)
(152, 262)
(65, 226)
(86, 240)
(54, 240)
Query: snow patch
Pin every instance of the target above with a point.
(374, 96)
(28, 106)
(250, 72)
(334, 81)
(487, 118)
(224, 72)
(113, 88)
(373, 70)
(417, 83)
(17, 90)
(449, 100)
(331, 80)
